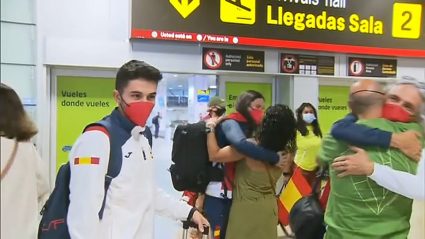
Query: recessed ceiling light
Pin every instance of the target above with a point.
(180, 86)
(176, 75)
(170, 88)
(213, 86)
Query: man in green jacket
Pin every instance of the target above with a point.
(358, 208)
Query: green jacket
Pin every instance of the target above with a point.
(357, 206)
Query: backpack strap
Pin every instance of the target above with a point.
(226, 177)
(315, 190)
(148, 134)
(115, 157)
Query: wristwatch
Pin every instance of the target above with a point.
(210, 129)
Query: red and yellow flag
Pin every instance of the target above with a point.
(217, 233)
(86, 161)
(296, 188)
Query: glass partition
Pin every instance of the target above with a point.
(182, 98)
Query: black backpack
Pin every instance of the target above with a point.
(192, 169)
(306, 217)
(155, 120)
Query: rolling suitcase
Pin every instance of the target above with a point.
(187, 225)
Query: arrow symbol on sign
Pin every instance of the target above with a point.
(184, 7)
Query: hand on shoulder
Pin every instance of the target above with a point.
(214, 121)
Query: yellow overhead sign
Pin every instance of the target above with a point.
(406, 17)
(407, 20)
(184, 7)
(386, 27)
(238, 11)
(203, 92)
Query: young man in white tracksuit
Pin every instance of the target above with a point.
(132, 198)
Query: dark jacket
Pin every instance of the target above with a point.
(232, 132)
(347, 130)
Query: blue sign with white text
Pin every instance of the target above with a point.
(203, 98)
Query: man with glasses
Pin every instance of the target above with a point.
(357, 206)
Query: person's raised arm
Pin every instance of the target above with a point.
(347, 130)
(88, 161)
(238, 140)
(406, 184)
(223, 155)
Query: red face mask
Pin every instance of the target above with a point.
(138, 112)
(393, 112)
(257, 114)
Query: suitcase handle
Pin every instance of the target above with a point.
(188, 224)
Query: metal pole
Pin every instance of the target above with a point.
(185, 231)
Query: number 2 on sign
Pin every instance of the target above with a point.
(407, 19)
(404, 26)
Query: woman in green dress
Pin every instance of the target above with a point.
(254, 213)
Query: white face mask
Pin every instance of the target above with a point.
(309, 118)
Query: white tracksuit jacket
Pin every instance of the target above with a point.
(132, 199)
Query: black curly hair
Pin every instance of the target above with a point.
(278, 129)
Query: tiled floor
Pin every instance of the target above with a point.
(166, 228)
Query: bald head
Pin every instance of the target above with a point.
(365, 87)
(366, 95)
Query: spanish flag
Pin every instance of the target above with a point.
(296, 188)
(86, 161)
(217, 232)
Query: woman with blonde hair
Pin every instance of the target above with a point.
(24, 183)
